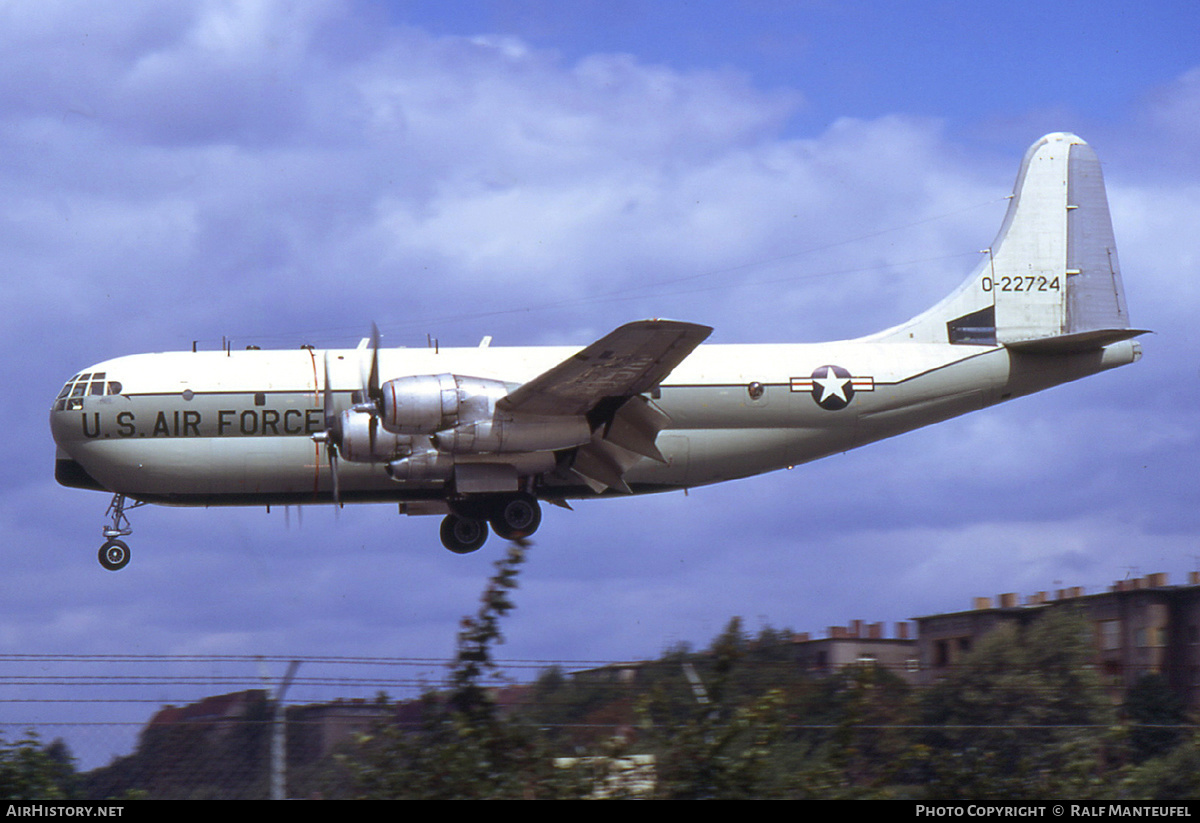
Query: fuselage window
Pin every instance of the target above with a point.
(61, 402)
(83, 385)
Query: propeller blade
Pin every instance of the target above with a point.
(328, 397)
(331, 450)
(372, 388)
(332, 435)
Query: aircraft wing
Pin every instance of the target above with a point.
(627, 361)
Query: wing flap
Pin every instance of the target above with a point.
(630, 436)
(602, 466)
(635, 427)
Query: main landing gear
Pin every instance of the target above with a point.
(512, 517)
(114, 554)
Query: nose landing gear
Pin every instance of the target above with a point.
(114, 554)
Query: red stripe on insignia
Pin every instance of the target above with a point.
(857, 383)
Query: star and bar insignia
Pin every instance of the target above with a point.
(832, 387)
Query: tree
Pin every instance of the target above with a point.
(1156, 716)
(29, 771)
(1024, 716)
(465, 749)
(1173, 776)
(719, 741)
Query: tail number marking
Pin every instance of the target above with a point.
(1028, 282)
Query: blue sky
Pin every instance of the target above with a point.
(285, 173)
(964, 63)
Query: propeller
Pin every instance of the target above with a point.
(372, 395)
(371, 403)
(332, 434)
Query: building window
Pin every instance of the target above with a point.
(1110, 635)
(1150, 637)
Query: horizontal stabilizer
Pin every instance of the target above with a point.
(1077, 342)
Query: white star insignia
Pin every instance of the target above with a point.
(832, 385)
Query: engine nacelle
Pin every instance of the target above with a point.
(523, 434)
(430, 403)
(357, 444)
(424, 466)
(459, 415)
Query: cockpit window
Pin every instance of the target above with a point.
(92, 383)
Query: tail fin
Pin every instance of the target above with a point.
(1050, 282)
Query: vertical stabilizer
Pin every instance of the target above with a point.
(1051, 280)
(1095, 297)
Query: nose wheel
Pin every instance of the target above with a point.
(114, 554)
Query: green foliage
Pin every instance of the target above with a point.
(29, 771)
(724, 753)
(715, 746)
(1024, 716)
(1172, 776)
(465, 749)
(870, 710)
(478, 635)
(453, 758)
(1156, 716)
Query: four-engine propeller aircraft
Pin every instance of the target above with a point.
(481, 435)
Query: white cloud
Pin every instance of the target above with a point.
(1175, 113)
